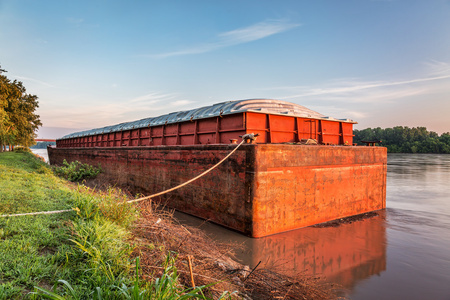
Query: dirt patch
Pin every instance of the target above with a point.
(347, 220)
(47, 251)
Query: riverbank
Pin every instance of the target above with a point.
(94, 247)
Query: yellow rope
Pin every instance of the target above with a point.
(138, 199)
(37, 213)
(189, 181)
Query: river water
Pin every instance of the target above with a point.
(41, 152)
(403, 253)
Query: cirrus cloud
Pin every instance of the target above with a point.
(234, 37)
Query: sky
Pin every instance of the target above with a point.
(382, 63)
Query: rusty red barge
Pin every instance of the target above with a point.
(276, 184)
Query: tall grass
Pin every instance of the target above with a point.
(83, 254)
(88, 248)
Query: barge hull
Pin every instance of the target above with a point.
(262, 189)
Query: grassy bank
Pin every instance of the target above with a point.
(31, 248)
(86, 247)
(103, 249)
(85, 253)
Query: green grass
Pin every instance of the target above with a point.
(30, 247)
(81, 254)
(87, 248)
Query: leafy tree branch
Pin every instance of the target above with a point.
(18, 120)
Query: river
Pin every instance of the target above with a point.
(41, 152)
(403, 253)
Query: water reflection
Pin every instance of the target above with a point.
(41, 152)
(344, 254)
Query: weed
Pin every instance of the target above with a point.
(85, 203)
(111, 204)
(77, 171)
(166, 287)
(9, 291)
(114, 207)
(101, 246)
(68, 289)
(135, 292)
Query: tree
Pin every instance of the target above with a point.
(18, 120)
(7, 132)
(406, 140)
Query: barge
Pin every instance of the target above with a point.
(303, 168)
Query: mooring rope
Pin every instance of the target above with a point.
(189, 181)
(37, 213)
(146, 197)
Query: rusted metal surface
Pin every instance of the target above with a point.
(261, 190)
(301, 186)
(218, 196)
(276, 121)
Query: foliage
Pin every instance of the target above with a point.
(136, 291)
(166, 287)
(115, 208)
(77, 171)
(406, 140)
(18, 120)
(21, 149)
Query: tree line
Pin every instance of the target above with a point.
(405, 140)
(18, 120)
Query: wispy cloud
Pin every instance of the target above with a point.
(234, 37)
(23, 78)
(75, 21)
(343, 97)
(255, 32)
(438, 68)
(153, 98)
(353, 90)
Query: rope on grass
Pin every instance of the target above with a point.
(37, 213)
(244, 138)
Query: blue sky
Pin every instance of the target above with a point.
(92, 63)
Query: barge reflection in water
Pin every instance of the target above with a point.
(344, 254)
